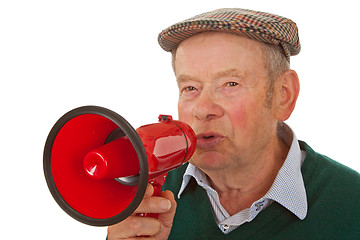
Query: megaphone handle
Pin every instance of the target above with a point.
(157, 182)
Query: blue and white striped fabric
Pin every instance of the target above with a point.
(288, 188)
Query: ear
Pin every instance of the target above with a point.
(288, 91)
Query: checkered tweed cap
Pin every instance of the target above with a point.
(264, 27)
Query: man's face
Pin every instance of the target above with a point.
(222, 80)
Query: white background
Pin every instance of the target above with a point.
(58, 55)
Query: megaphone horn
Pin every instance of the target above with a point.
(97, 165)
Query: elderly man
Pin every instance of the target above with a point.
(250, 178)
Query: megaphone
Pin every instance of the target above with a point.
(97, 165)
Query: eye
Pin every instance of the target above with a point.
(231, 84)
(190, 88)
(189, 92)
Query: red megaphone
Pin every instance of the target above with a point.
(97, 166)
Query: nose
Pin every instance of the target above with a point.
(207, 106)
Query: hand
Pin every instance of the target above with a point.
(134, 226)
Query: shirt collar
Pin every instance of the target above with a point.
(288, 188)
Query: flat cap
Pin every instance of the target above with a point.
(261, 26)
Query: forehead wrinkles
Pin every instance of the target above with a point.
(217, 55)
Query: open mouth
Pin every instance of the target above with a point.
(208, 140)
(208, 137)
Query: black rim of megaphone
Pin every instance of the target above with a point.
(135, 140)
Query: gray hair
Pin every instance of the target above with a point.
(276, 64)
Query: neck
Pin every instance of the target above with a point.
(249, 183)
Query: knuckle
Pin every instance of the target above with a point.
(156, 227)
(135, 225)
(111, 230)
(144, 206)
(149, 190)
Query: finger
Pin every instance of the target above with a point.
(167, 217)
(134, 226)
(154, 205)
(149, 190)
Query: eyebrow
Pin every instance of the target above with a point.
(230, 73)
(240, 75)
(227, 73)
(183, 78)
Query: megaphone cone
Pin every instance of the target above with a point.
(97, 165)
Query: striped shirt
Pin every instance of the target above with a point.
(287, 189)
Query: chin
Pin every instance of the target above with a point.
(209, 160)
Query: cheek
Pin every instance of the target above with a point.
(241, 113)
(251, 120)
(185, 112)
(238, 117)
(247, 120)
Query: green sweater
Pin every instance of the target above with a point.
(333, 194)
